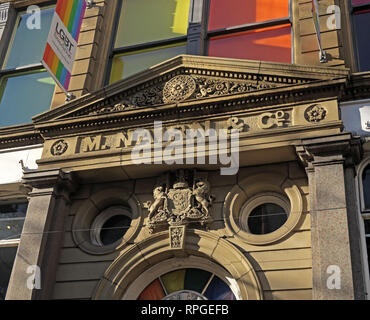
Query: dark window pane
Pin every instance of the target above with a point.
(7, 256)
(368, 250)
(36, 90)
(367, 226)
(28, 45)
(266, 218)
(125, 65)
(362, 27)
(196, 279)
(114, 229)
(272, 44)
(366, 186)
(219, 290)
(229, 13)
(146, 21)
(11, 220)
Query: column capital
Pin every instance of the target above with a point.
(339, 148)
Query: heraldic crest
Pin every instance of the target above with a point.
(176, 203)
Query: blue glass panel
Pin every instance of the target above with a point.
(24, 96)
(219, 290)
(28, 45)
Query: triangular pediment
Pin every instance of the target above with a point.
(190, 79)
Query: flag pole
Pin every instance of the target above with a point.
(315, 15)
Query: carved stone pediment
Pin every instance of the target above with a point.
(189, 79)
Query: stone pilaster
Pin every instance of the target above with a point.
(335, 248)
(42, 234)
(7, 18)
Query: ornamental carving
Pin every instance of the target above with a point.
(177, 235)
(213, 87)
(315, 113)
(59, 148)
(178, 89)
(119, 107)
(177, 203)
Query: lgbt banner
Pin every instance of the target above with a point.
(62, 41)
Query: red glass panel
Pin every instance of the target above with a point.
(270, 44)
(152, 292)
(227, 13)
(359, 2)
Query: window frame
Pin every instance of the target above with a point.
(364, 214)
(12, 243)
(249, 27)
(353, 9)
(198, 8)
(9, 37)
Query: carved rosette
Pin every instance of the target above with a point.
(59, 148)
(315, 113)
(178, 89)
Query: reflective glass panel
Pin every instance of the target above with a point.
(270, 44)
(148, 20)
(7, 256)
(127, 64)
(29, 39)
(229, 13)
(23, 96)
(362, 27)
(11, 220)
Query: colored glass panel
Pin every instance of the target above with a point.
(127, 64)
(28, 45)
(362, 27)
(174, 281)
(219, 290)
(229, 13)
(270, 44)
(152, 292)
(146, 21)
(24, 95)
(196, 279)
(359, 2)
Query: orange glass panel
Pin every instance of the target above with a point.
(270, 44)
(152, 292)
(227, 13)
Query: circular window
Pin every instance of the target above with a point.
(187, 284)
(110, 225)
(264, 213)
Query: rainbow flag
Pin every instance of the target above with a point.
(62, 42)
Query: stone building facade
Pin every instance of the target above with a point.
(289, 223)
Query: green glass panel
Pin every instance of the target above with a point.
(196, 279)
(128, 64)
(28, 45)
(174, 281)
(151, 20)
(23, 96)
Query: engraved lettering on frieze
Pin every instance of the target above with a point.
(178, 89)
(177, 236)
(96, 143)
(315, 113)
(177, 203)
(235, 123)
(59, 148)
(269, 120)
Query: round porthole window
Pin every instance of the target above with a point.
(264, 214)
(110, 225)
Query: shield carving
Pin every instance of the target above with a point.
(179, 201)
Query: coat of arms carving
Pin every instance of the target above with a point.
(179, 204)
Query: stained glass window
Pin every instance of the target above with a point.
(188, 283)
